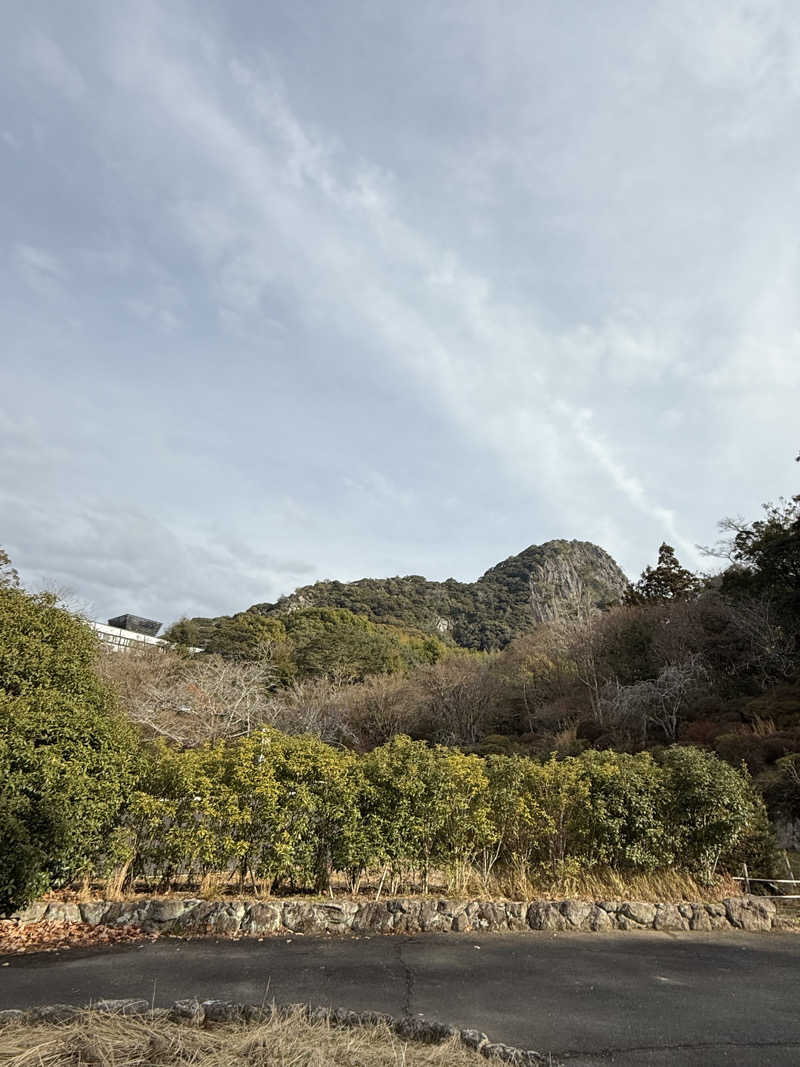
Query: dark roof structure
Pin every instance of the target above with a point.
(137, 624)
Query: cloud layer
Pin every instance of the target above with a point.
(314, 291)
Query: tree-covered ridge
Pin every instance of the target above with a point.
(312, 641)
(543, 581)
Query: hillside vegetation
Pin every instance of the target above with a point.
(559, 576)
(638, 739)
(679, 659)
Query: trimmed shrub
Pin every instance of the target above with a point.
(67, 770)
(67, 761)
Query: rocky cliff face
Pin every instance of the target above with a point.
(556, 579)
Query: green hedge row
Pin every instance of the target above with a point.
(271, 806)
(80, 798)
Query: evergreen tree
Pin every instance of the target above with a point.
(668, 580)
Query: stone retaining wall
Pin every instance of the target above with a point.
(194, 1012)
(404, 915)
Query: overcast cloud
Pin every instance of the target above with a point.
(304, 290)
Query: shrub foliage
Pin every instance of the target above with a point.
(67, 761)
(275, 808)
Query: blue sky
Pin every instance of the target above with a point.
(304, 290)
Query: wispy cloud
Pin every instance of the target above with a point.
(406, 304)
(46, 57)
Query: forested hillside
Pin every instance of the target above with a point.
(556, 579)
(679, 658)
(684, 695)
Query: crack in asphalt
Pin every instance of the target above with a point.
(409, 978)
(689, 1046)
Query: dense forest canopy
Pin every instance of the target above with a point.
(564, 577)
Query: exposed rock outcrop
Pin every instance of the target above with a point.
(555, 579)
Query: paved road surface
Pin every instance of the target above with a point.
(590, 999)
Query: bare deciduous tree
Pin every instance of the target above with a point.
(457, 698)
(657, 702)
(769, 646)
(191, 699)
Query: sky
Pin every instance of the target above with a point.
(299, 290)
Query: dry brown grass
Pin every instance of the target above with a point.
(670, 885)
(117, 1041)
(607, 884)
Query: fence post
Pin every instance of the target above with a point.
(746, 880)
(789, 866)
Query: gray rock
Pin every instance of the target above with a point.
(405, 915)
(368, 1018)
(640, 913)
(669, 917)
(427, 1031)
(376, 917)
(700, 918)
(93, 911)
(111, 912)
(289, 1011)
(517, 916)
(123, 913)
(577, 913)
(56, 1013)
(609, 906)
(398, 905)
(334, 918)
(189, 1010)
(750, 913)
(474, 1039)
(531, 1058)
(262, 918)
(166, 911)
(300, 918)
(222, 1011)
(546, 915)
(195, 916)
(504, 1053)
(12, 1015)
(717, 916)
(432, 917)
(214, 917)
(59, 912)
(490, 916)
(509, 1054)
(126, 1006)
(32, 914)
(345, 1017)
(227, 918)
(600, 919)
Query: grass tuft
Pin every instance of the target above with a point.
(289, 1041)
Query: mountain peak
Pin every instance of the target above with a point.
(542, 581)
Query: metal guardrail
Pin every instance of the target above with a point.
(793, 882)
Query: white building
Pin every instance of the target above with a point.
(131, 631)
(118, 639)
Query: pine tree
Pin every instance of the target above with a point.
(668, 580)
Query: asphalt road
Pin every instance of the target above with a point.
(590, 999)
